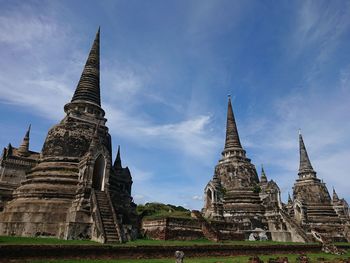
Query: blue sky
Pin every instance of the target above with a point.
(166, 70)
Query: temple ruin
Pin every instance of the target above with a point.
(71, 189)
(236, 195)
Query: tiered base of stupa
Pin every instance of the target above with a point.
(41, 203)
(244, 206)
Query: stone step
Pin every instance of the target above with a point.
(109, 227)
(108, 221)
(112, 240)
(106, 211)
(107, 217)
(111, 233)
(104, 207)
(105, 214)
(108, 224)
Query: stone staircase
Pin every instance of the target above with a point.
(108, 218)
(294, 228)
(208, 231)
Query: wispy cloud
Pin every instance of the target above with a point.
(319, 28)
(197, 198)
(124, 86)
(25, 31)
(188, 136)
(321, 119)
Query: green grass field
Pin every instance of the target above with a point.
(6, 240)
(146, 242)
(138, 242)
(236, 259)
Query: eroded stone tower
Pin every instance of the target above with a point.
(74, 190)
(238, 202)
(14, 163)
(312, 205)
(233, 193)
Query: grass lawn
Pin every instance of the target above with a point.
(201, 242)
(146, 242)
(139, 242)
(236, 259)
(7, 240)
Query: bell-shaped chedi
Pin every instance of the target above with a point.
(73, 175)
(312, 203)
(233, 193)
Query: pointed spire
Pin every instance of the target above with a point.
(335, 195)
(232, 137)
(4, 152)
(24, 148)
(118, 161)
(9, 150)
(289, 199)
(305, 164)
(263, 177)
(88, 88)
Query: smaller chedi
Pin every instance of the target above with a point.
(238, 205)
(71, 189)
(14, 163)
(235, 195)
(312, 206)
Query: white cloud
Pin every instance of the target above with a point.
(197, 198)
(319, 24)
(319, 29)
(45, 82)
(24, 31)
(322, 118)
(140, 176)
(139, 199)
(190, 136)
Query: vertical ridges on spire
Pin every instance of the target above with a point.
(232, 137)
(9, 149)
(24, 148)
(118, 161)
(88, 88)
(263, 177)
(305, 164)
(335, 195)
(4, 152)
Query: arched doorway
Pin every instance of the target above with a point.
(99, 172)
(209, 198)
(298, 213)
